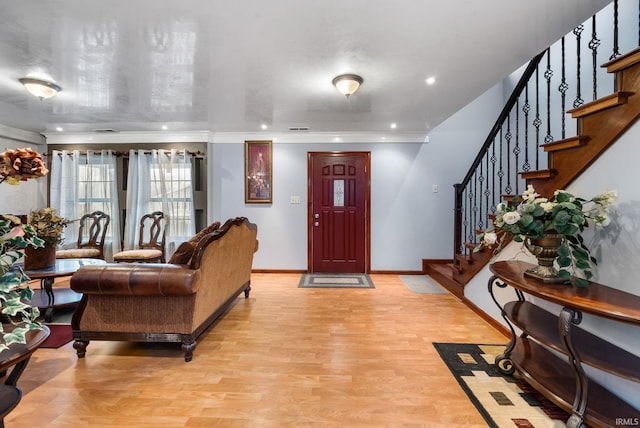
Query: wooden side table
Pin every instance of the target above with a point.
(16, 359)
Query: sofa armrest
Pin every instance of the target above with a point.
(128, 279)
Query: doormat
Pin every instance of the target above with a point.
(423, 284)
(502, 400)
(61, 334)
(335, 280)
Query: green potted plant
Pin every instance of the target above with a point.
(551, 229)
(48, 226)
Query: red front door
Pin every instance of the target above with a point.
(338, 212)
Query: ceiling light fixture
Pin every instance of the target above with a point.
(40, 88)
(347, 84)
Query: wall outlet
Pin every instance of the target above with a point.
(435, 188)
(295, 199)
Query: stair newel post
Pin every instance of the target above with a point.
(457, 223)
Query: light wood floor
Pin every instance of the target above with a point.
(284, 357)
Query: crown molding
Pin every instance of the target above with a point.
(320, 137)
(130, 137)
(21, 135)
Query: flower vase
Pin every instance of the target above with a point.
(545, 249)
(39, 258)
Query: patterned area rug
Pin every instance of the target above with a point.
(503, 401)
(335, 280)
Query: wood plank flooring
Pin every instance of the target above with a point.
(284, 357)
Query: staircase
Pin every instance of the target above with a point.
(599, 124)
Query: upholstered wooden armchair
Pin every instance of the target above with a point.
(153, 229)
(91, 236)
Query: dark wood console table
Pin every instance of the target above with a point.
(15, 359)
(563, 380)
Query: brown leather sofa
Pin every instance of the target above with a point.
(166, 302)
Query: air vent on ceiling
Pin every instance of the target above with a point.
(104, 130)
(298, 128)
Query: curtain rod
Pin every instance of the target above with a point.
(117, 153)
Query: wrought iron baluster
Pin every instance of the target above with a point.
(594, 43)
(481, 213)
(487, 192)
(516, 148)
(578, 33)
(474, 209)
(537, 122)
(493, 178)
(507, 137)
(616, 48)
(501, 170)
(525, 109)
(563, 88)
(548, 74)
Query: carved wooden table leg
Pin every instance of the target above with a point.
(569, 317)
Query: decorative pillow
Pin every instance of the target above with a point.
(183, 253)
(207, 230)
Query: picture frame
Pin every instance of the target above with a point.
(258, 184)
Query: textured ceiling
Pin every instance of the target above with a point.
(233, 65)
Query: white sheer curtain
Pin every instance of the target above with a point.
(82, 183)
(160, 180)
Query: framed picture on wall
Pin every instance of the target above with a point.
(257, 172)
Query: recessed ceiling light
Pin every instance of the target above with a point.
(263, 126)
(393, 126)
(165, 127)
(59, 128)
(430, 80)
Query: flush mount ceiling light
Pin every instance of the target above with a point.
(347, 84)
(40, 88)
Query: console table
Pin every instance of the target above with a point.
(16, 358)
(563, 380)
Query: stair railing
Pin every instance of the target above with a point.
(516, 141)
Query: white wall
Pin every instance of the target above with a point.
(409, 221)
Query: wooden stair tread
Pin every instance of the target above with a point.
(540, 173)
(566, 143)
(623, 61)
(615, 99)
(443, 274)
